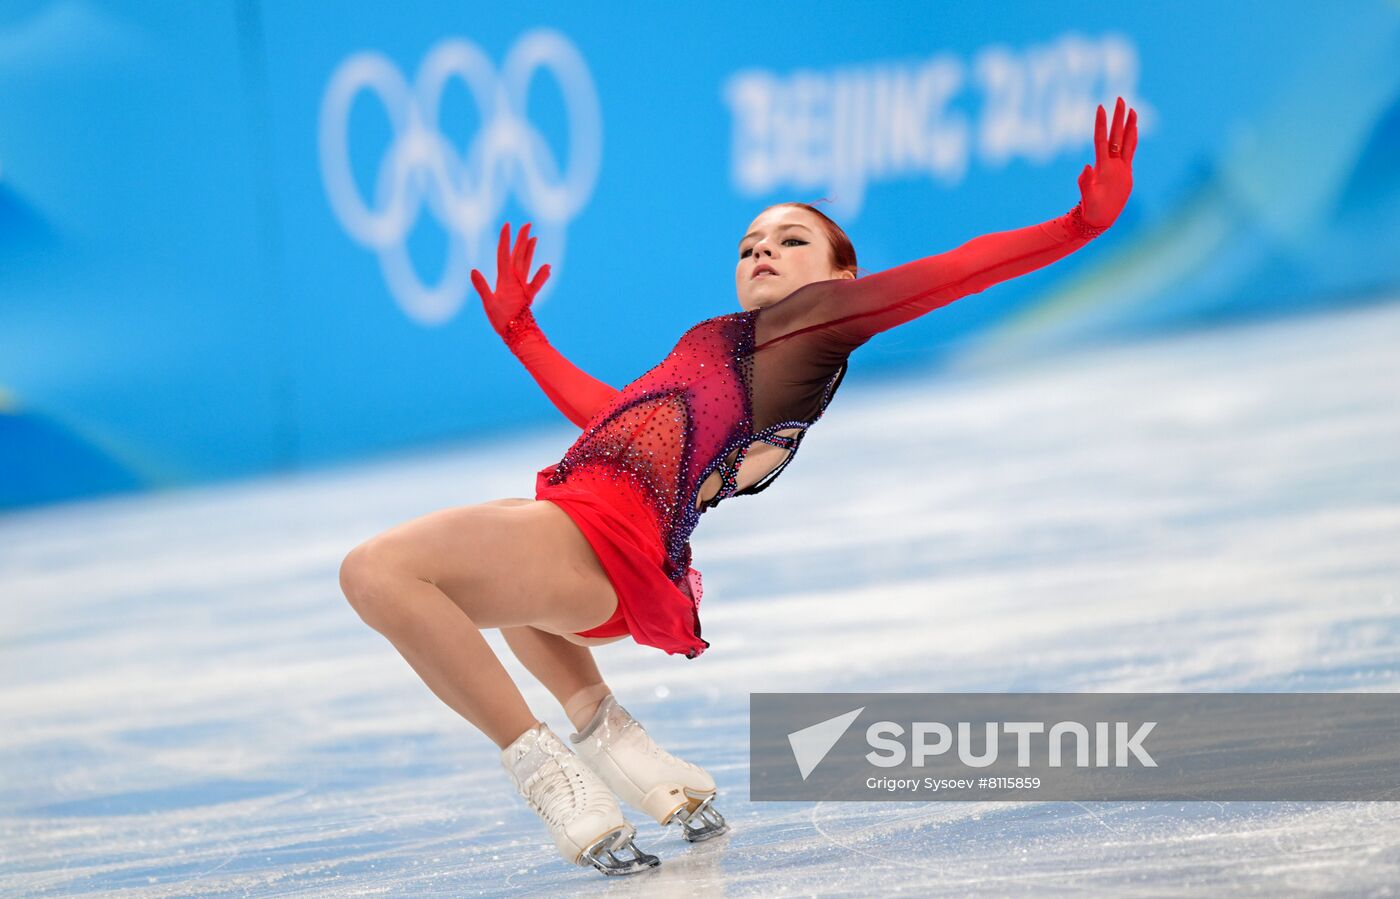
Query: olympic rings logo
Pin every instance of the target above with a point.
(464, 192)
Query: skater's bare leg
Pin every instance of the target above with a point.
(567, 670)
(431, 584)
(449, 653)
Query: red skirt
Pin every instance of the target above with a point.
(615, 520)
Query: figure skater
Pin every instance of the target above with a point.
(602, 552)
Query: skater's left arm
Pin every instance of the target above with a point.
(848, 312)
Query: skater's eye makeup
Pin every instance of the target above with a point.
(791, 226)
(797, 240)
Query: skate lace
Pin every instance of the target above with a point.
(561, 790)
(651, 747)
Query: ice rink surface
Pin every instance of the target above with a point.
(191, 707)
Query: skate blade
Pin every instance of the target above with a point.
(603, 855)
(699, 819)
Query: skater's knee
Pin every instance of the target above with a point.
(367, 576)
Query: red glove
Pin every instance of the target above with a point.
(508, 307)
(1105, 185)
(573, 391)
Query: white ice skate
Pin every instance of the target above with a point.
(582, 815)
(646, 776)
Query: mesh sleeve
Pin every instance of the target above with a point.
(842, 314)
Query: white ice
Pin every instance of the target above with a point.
(191, 707)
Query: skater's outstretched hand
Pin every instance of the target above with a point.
(510, 301)
(576, 393)
(1105, 185)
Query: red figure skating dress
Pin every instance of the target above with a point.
(723, 414)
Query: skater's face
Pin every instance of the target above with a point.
(783, 249)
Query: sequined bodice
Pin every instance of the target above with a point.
(714, 419)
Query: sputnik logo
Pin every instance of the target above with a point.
(811, 744)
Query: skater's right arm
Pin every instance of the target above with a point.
(574, 392)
